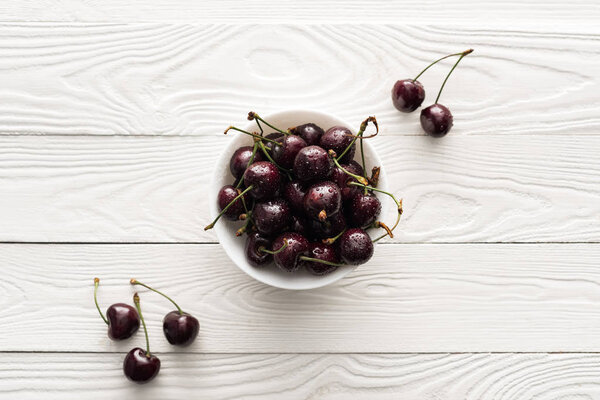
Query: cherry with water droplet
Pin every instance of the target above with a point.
(312, 163)
(311, 133)
(322, 200)
(272, 217)
(355, 246)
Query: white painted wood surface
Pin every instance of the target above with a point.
(409, 298)
(311, 376)
(111, 116)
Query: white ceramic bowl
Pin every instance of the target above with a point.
(225, 229)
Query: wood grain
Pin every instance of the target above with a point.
(177, 79)
(430, 298)
(153, 189)
(264, 11)
(311, 377)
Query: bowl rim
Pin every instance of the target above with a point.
(217, 183)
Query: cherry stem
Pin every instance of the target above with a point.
(266, 153)
(279, 250)
(440, 59)
(136, 301)
(136, 282)
(244, 228)
(463, 54)
(305, 258)
(363, 126)
(250, 161)
(254, 116)
(398, 205)
(249, 133)
(361, 179)
(333, 239)
(212, 224)
(380, 224)
(96, 284)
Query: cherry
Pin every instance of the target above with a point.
(241, 159)
(355, 246)
(322, 199)
(300, 225)
(264, 178)
(275, 136)
(179, 327)
(285, 154)
(288, 257)
(122, 319)
(341, 178)
(254, 255)
(272, 217)
(310, 132)
(408, 95)
(338, 138)
(329, 228)
(436, 120)
(321, 252)
(312, 163)
(141, 366)
(364, 209)
(294, 192)
(231, 207)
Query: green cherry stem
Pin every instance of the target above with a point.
(333, 239)
(212, 224)
(248, 133)
(463, 54)
(305, 258)
(279, 250)
(136, 282)
(136, 301)
(266, 153)
(96, 284)
(361, 131)
(398, 205)
(440, 59)
(363, 181)
(254, 116)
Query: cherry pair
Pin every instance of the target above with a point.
(123, 321)
(408, 95)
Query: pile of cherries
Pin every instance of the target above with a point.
(123, 320)
(408, 95)
(305, 201)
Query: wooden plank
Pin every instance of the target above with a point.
(460, 189)
(311, 11)
(323, 377)
(166, 79)
(409, 298)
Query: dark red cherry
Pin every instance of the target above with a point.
(272, 217)
(285, 154)
(123, 321)
(226, 196)
(254, 255)
(323, 252)
(310, 132)
(436, 120)
(180, 328)
(240, 158)
(300, 225)
(341, 179)
(408, 95)
(312, 163)
(322, 200)
(337, 139)
(294, 192)
(329, 228)
(276, 136)
(288, 259)
(265, 179)
(140, 367)
(355, 246)
(364, 209)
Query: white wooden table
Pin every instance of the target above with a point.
(111, 119)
